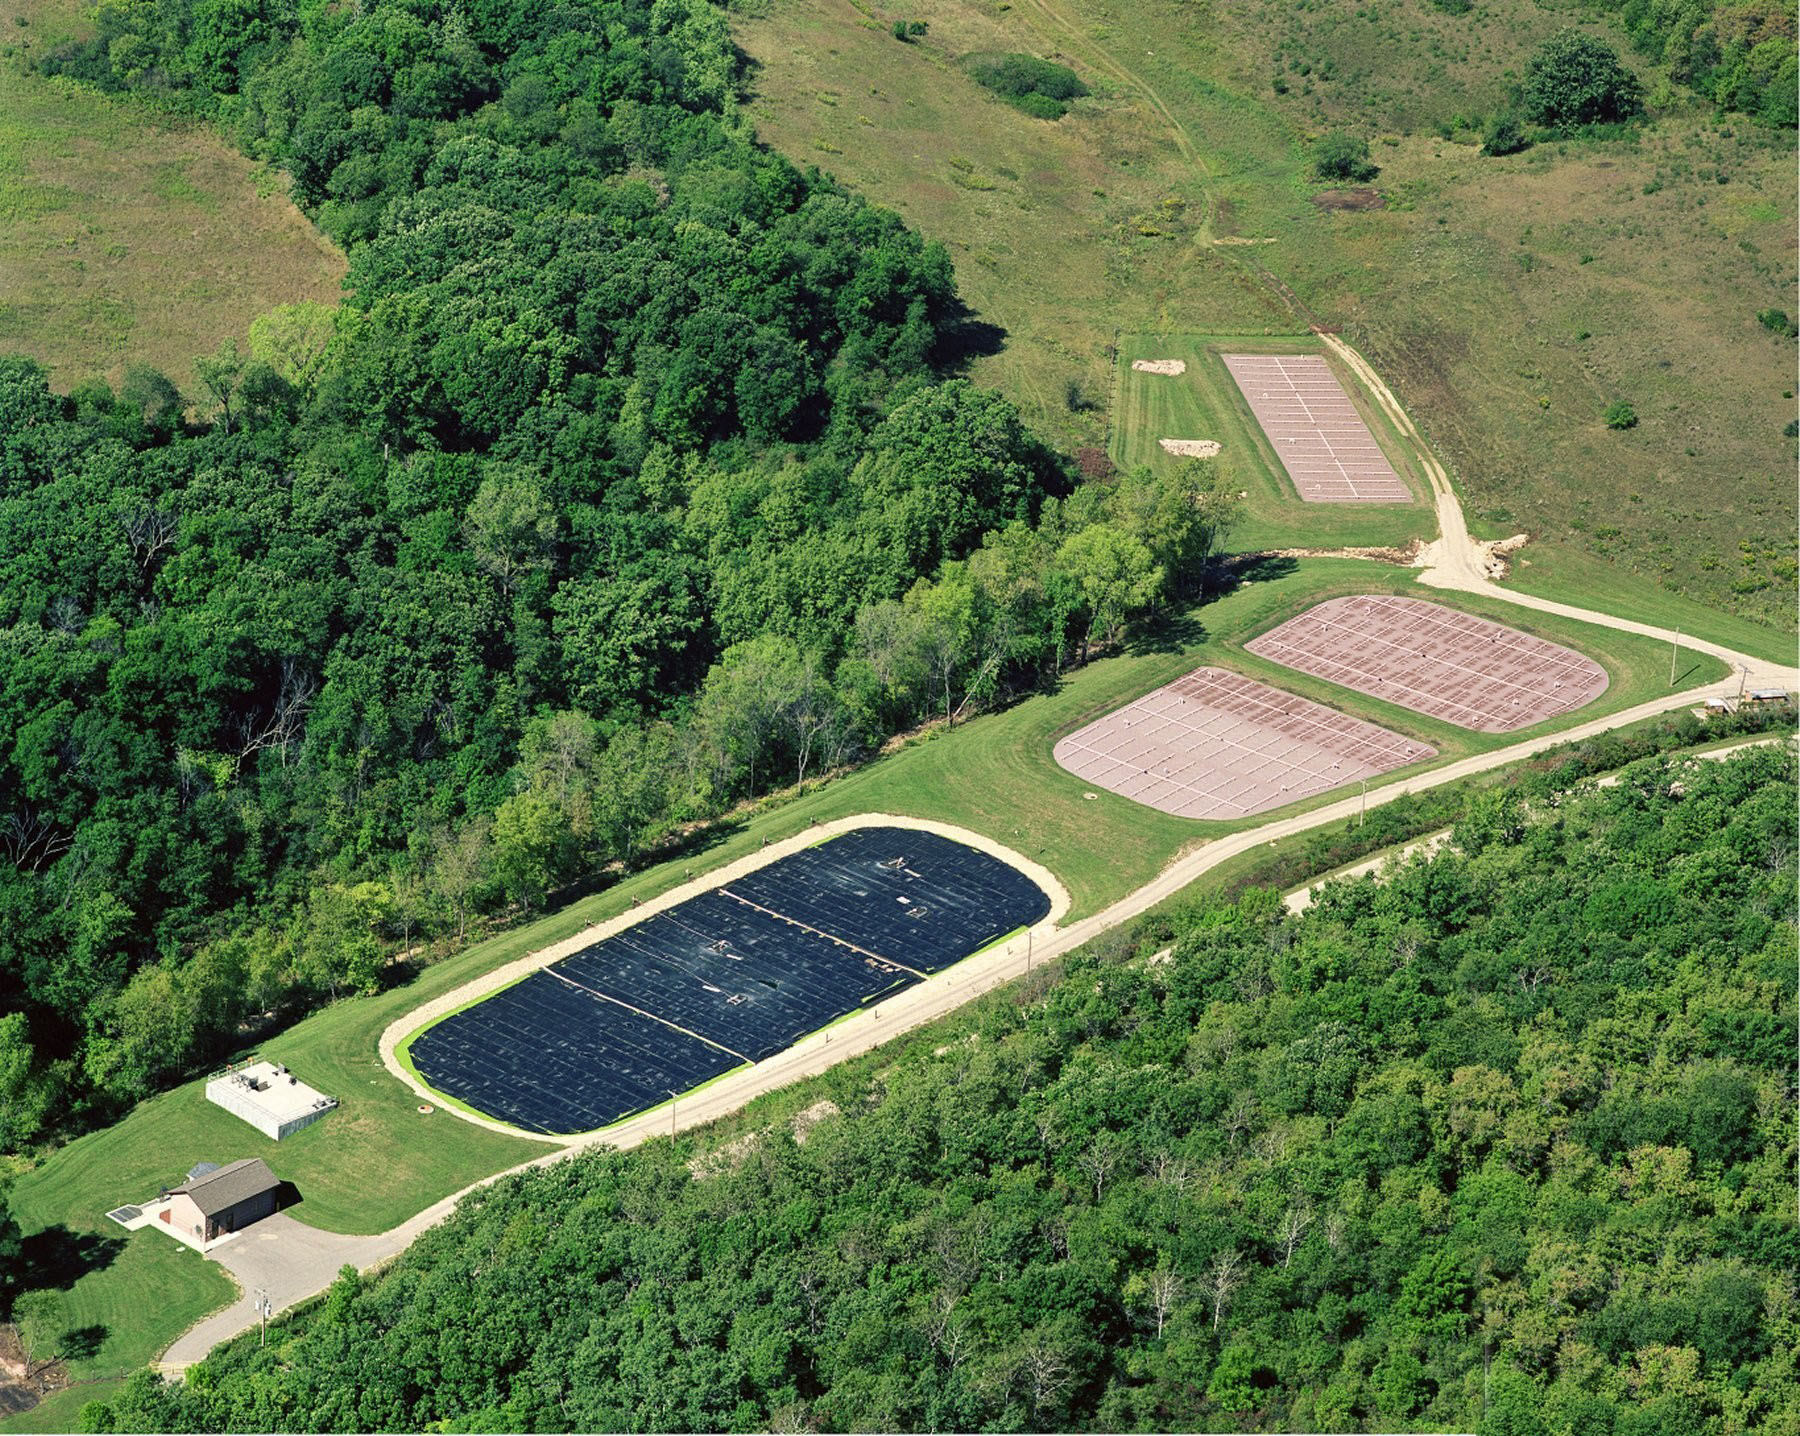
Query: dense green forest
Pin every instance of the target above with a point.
(631, 479)
(1503, 1144)
(1738, 53)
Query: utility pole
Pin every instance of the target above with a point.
(265, 1308)
(1743, 678)
(1674, 652)
(1363, 815)
(674, 1103)
(1028, 935)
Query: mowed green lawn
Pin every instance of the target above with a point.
(377, 1160)
(123, 1295)
(140, 1290)
(1205, 403)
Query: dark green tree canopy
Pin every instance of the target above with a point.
(1343, 158)
(1575, 79)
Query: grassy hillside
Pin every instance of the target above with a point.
(1507, 300)
(128, 240)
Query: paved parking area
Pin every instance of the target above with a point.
(285, 1258)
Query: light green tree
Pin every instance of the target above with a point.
(530, 838)
(295, 341)
(510, 525)
(220, 373)
(1115, 575)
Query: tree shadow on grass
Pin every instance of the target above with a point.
(1169, 633)
(83, 1343)
(57, 1257)
(962, 338)
(1240, 569)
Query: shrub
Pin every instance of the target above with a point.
(1575, 79)
(1076, 397)
(1343, 157)
(1040, 106)
(1776, 321)
(1038, 87)
(1620, 415)
(1504, 136)
(1792, 429)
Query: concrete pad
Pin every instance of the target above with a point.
(1435, 660)
(1315, 430)
(1218, 745)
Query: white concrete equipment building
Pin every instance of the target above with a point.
(268, 1097)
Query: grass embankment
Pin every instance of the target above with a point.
(1571, 576)
(1508, 301)
(376, 1160)
(1205, 403)
(128, 238)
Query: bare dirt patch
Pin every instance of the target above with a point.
(727, 1158)
(1160, 366)
(1359, 198)
(1190, 448)
(19, 1391)
(805, 1121)
(1406, 557)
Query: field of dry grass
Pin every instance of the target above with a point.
(1537, 289)
(1508, 301)
(1063, 234)
(128, 240)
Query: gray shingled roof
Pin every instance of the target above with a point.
(231, 1184)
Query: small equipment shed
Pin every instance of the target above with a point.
(227, 1199)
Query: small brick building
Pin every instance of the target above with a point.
(226, 1200)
